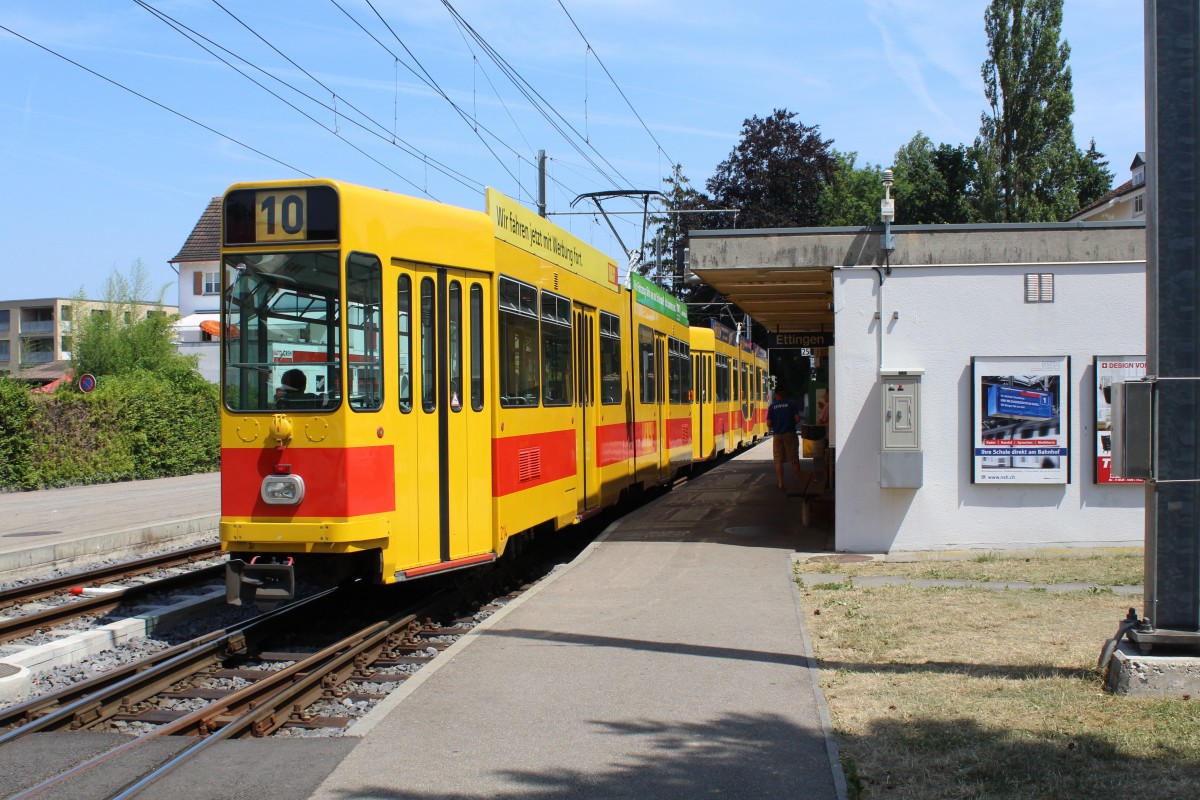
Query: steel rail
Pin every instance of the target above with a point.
(26, 624)
(258, 706)
(49, 586)
(90, 701)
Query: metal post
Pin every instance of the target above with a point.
(1172, 568)
(541, 203)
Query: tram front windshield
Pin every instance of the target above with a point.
(281, 343)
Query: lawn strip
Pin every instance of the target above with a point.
(965, 693)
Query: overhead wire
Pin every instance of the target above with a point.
(187, 33)
(432, 84)
(495, 91)
(531, 94)
(539, 102)
(383, 133)
(616, 86)
(154, 102)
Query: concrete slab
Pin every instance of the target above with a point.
(1136, 674)
(17, 668)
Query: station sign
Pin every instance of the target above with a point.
(792, 341)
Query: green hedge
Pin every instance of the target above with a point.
(142, 425)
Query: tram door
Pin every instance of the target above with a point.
(663, 413)
(586, 457)
(701, 366)
(451, 451)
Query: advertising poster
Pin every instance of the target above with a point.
(1109, 370)
(1021, 419)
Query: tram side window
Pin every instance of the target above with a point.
(518, 343)
(679, 371)
(646, 364)
(722, 381)
(404, 341)
(556, 350)
(476, 319)
(428, 354)
(745, 384)
(610, 358)
(364, 342)
(454, 320)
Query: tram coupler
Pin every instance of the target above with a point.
(259, 582)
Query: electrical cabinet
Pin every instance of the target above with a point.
(901, 461)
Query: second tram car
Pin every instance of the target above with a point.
(407, 386)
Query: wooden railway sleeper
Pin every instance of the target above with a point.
(33, 712)
(86, 716)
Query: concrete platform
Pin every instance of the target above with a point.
(670, 660)
(82, 525)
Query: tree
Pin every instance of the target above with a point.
(664, 258)
(932, 183)
(776, 174)
(126, 334)
(666, 266)
(852, 196)
(1028, 132)
(1095, 178)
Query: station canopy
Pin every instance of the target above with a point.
(782, 299)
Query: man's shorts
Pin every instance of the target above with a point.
(786, 447)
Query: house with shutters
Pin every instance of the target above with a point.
(198, 264)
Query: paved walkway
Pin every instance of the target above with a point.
(669, 661)
(79, 525)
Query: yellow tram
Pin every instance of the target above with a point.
(408, 386)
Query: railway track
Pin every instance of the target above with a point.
(252, 679)
(23, 624)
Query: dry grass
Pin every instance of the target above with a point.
(974, 693)
(1104, 570)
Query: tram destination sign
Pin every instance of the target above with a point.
(792, 341)
(285, 215)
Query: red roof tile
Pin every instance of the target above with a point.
(205, 242)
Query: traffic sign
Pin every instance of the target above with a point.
(87, 383)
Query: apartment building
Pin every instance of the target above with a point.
(35, 335)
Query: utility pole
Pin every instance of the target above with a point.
(1172, 571)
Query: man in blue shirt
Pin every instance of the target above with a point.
(783, 416)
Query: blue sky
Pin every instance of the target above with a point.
(97, 178)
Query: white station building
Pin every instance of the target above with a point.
(966, 374)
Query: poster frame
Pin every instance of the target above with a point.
(1043, 455)
(1125, 367)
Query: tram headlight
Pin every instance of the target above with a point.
(282, 490)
